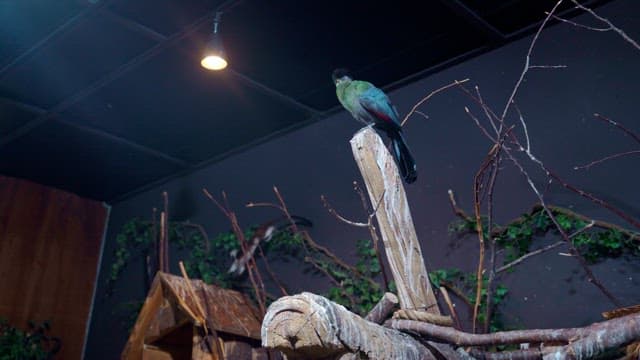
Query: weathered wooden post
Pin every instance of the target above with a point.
(387, 195)
(308, 326)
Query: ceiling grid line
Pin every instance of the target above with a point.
(104, 134)
(60, 31)
(100, 83)
(475, 20)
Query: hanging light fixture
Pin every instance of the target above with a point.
(214, 57)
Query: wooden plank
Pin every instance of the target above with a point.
(134, 347)
(50, 242)
(384, 185)
(166, 353)
(227, 310)
(237, 349)
(155, 354)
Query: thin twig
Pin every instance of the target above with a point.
(264, 204)
(369, 224)
(618, 125)
(333, 212)
(564, 235)
(548, 66)
(480, 233)
(492, 241)
(528, 255)
(485, 108)
(458, 292)
(592, 28)
(629, 219)
(604, 159)
(544, 249)
(271, 273)
(477, 121)
(609, 23)
(315, 246)
(252, 269)
(373, 231)
(165, 231)
(434, 92)
(201, 314)
(452, 309)
(527, 61)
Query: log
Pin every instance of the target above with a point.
(384, 185)
(309, 326)
(383, 309)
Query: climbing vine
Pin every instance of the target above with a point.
(595, 240)
(33, 343)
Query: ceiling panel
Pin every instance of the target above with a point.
(62, 156)
(73, 62)
(25, 22)
(164, 16)
(294, 48)
(13, 116)
(121, 123)
(409, 62)
(174, 106)
(512, 15)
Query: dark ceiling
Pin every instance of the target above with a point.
(105, 98)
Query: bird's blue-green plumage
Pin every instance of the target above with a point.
(370, 105)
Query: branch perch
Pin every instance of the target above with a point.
(308, 326)
(394, 221)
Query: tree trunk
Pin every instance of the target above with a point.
(387, 195)
(308, 326)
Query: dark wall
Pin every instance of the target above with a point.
(601, 76)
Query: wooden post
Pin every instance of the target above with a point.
(384, 185)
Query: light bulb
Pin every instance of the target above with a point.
(213, 62)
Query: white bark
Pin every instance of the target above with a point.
(384, 184)
(309, 326)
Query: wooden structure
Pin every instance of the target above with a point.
(167, 328)
(50, 243)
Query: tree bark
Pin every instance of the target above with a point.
(581, 343)
(388, 197)
(309, 326)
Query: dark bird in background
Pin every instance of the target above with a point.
(262, 234)
(372, 106)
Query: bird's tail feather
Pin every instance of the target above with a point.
(404, 159)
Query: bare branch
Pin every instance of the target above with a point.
(477, 121)
(581, 343)
(592, 28)
(434, 92)
(527, 61)
(606, 158)
(611, 26)
(333, 212)
(548, 67)
(618, 125)
(528, 255)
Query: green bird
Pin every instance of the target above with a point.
(372, 106)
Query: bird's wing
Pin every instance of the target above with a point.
(378, 105)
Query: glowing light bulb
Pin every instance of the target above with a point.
(213, 62)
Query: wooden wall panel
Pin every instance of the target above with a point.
(50, 243)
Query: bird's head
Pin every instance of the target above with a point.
(340, 75)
